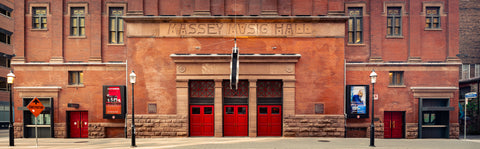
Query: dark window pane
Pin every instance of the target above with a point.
(242, 110)
(275, 110)
(196, 110)
(207, 110)
(229, 110)
(263, 110)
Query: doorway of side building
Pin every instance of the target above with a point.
(393, 124)
(78, 124)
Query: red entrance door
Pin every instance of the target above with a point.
(269, 120)
(78, 124)
(235, 120)
(393, 125)
(201, 120)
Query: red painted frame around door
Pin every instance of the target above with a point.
(235, 120)
(269, 120)
(201, 120)
(78, 124)
(393, 125)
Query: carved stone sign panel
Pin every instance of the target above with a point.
(135, 29)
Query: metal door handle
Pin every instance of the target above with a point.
(78, 125)
(81, 124)
(393, 124)
(390, 123)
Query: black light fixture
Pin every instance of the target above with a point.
(133, 78)
(373, 77)
(10, 78)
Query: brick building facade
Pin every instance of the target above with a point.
(303, 64)
(6, 51)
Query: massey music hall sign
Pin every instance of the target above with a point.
(145, 29)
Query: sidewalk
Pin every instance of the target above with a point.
(242, 143)
(472, 142)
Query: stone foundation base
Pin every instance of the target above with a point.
(18, 130)
(149, 126)
(60, 130)
(412, 130)
(378, 130)
(454, 130)
(314, 126)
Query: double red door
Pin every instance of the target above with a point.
(78, 124)
(393, 125)
(235, 120)
(269, 120)
(201, 120)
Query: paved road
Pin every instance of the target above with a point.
(243, 143)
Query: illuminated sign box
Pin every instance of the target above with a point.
(114, 99)
(357, 103)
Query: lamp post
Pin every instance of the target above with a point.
(373, 77)
(133, 78)
(10, 77)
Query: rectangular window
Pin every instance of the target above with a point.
(5, 10)
(5, 37)
(432, 20)
(394, 21)
(116, 25)
(3, 84)
(477, 70)
(396, 77)
(77, 21)
(5, 61)
(465, 71)
(75, 78)
(355, 25)
(39, 18)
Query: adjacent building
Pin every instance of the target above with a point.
(303, 68)
(6, 53)
(470, 56)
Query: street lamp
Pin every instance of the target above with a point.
(373, 77)
(133, 78)
(10, 78)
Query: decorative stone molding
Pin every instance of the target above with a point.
(433, 92)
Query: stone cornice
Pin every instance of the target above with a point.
(237, 19)
(244, 58)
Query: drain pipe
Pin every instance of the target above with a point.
(344, 96)
(126, 97)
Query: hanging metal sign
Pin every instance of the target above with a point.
(234, 64)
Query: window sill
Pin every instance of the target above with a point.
(76, 86)
(35, 29)
(356, 45)
(397, 86)
(394, 37)
(433, 29)
(113, 44)
(76, 37)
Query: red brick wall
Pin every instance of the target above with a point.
(429, 45)
(469, 30)
(328, 85)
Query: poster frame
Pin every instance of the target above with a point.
(124, 100)
(348, 105)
